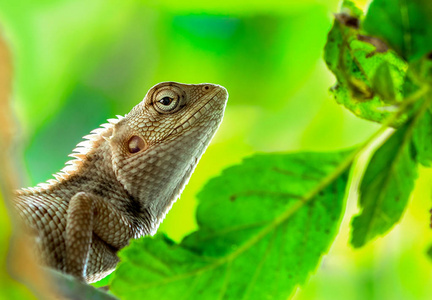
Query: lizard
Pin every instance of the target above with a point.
(122, 179)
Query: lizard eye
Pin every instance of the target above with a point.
(166, 104)
(166, 101)
(136, 144)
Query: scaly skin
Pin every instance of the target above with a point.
(123, 181)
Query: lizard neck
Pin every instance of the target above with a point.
(157, 173)
(164, 171)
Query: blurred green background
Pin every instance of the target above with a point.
(79, 62)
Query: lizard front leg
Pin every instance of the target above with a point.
(88, 214)
(79, 232)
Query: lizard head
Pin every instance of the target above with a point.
(156, 147)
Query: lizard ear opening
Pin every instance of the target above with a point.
(136, 144)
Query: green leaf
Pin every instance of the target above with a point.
(420, 71)
(405, 25)
(263, 227)
(382, 83)
(422, 139)
(359, 61)
(386, 187)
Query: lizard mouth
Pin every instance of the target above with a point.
(218, 95)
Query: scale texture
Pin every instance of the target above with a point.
(123, 179)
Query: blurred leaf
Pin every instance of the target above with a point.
(386, 186)
(272, 42)
(10, 288)
(422, 139)
(237, 7)
(358, 61)
(48, 39)
(429, 252)
(264, 226)
(419, 77)
(405, 25)
(420, 70)
(83, 111)
(382, 83)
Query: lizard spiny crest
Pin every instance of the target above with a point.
(91, 141)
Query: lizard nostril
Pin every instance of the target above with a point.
(206, 88)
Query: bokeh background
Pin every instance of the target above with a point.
(78, 62)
